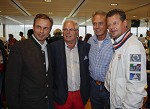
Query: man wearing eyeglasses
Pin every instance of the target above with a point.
(70, 67)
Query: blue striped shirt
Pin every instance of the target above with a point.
(100, 57)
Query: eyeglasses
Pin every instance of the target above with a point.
(70, 30)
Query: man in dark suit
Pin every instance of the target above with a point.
(70, 67)
(29, 73)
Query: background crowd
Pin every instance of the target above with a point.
(65, 71)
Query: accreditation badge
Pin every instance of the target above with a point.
(135, 76)
(135, 67)
(135, 57)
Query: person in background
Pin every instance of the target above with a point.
(11, 40)
(148, 41)
(30, 33)
(70, 68)
(142, 40)
(3, 60)
(100, 55)
(57, 35)
(87, 36)
(80, 38)
(127, 77)
(57, 32)
(29, 80)
(21, 35)
(147, 103)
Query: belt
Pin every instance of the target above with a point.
(98, 82)
(74, 91)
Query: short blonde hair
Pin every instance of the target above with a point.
(57, 32)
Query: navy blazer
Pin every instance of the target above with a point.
(59, 67)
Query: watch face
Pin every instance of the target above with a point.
(135, 57)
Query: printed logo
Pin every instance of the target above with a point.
(135, 57)
(119, 56)
(135, 67)
(135, 76)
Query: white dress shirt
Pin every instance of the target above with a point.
(73, 68)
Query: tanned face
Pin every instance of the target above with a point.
(100, 26)
(116, 26)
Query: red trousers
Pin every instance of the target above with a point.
(74, 101)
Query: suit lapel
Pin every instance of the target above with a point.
(63, 55)
(37, 44)
(80, 51)
(81, 57)
(62, 48)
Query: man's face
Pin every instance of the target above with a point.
(99, 26)
(70, 33)
(116, 26)
(41, 29)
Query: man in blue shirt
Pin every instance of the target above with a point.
(100, 55)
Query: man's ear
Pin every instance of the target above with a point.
(125, 22)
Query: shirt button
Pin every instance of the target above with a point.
(46, 74)
(46, 96)
(47, 85)
(44, 63)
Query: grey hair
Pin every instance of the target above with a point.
(99, 12)
(75, 22)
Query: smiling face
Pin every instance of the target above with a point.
(100, 26)
(41, 29)
(116, 26)
(70, 32)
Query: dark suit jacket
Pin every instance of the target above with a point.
(60, 70)
(54, 38)
(26, 79)
(4, 54)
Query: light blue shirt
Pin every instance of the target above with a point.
(100, 57)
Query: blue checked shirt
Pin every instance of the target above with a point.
(100, 57)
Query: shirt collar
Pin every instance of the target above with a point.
(43, 46)
(96, 40)
(74, 46)
(119, 38)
